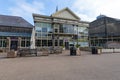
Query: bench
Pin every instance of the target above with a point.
(44, 51)
(55, 50)
(24, 52)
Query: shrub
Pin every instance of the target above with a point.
(77, 45)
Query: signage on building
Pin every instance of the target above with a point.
(14, 38)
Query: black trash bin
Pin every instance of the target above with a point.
(72, 51)
(94, 50)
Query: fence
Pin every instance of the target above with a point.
(109, 50)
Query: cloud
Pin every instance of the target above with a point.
(25, 9)
(90, 9)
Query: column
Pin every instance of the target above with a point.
(58, 25)
(8, 43)
(77, 34)
(19, 42)
(53, 37)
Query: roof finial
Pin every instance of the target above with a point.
(56, 8)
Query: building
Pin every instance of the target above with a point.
(62, 28)
(15, 32)
(105, 32)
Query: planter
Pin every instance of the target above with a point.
(78, 52)
(64, 48)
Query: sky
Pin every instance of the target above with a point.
(87, 10)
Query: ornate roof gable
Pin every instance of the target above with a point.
(66, 13)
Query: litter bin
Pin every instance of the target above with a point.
(72, 51)
(94, 50)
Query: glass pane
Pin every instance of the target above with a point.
(67, 28)
(49, 28)
(44, 43)
(38, 43)
(44, 29)
(38, 29)
(56, 43)
(27, 43)
(0, 43)
(23, 43)
(61, 29)
(56, 30)
(50, 36)
(44, 35)
(4, 43)
(38, 34)
(61, 43)
(49, 42)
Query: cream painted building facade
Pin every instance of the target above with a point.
(62, 28)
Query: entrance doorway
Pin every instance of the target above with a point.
(66, 45)
(14, 43)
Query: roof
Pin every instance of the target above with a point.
(102, 19)
(39, 15)
(15, 21)
(62, 13)
(15, 34)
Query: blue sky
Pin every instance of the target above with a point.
(87, 10)
(25, 8)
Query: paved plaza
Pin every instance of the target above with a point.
(62, 67)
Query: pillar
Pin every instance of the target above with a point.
(53, 37)
(19, 42)
(8, 44)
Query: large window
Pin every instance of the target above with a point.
(38, 29)
(70, 29)
(44, 35)
(49, 42)
(3, 42)
(38, 43)
(38, 34)
(43, 27)
(56, 43)
(61, 43)
(44, 43)
(22, 43)
(61, 29)
(49, 29)
(49, 36)
(25, 42)
(82, 33)
(44, 32)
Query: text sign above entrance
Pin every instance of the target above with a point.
(14, 38)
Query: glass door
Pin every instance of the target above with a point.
(14, 43)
